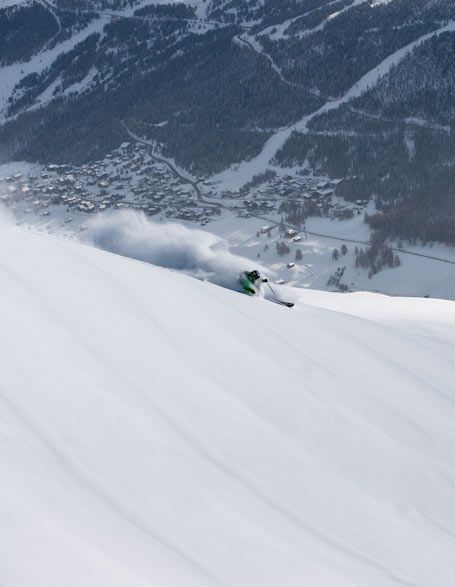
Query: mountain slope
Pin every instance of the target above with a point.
(157, 430)
(354, 90)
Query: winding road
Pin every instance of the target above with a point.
(50, 8)
(173, 169)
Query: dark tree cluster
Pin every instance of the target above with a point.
(257, 180)
(421, 86)
(335, 280)
(282, 248)
(234, 11)
(24, 31)
(296, 212)
(176, 11)
(375, 258)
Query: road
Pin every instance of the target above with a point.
(403, 123)
(50, 8)
(120, 16)
(353, 241)
(173, 169)
(241, 40)
(268, 220)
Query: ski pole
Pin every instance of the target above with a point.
(277, 299)
(274, 293)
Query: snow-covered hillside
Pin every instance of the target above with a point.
(158, 430)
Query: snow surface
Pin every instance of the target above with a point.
(416, 276)
(159, 430)
(7, 3)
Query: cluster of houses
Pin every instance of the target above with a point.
(32, 190)
(318, 194)
(130, 177)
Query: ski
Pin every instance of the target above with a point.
(282, 303)
(277, 299)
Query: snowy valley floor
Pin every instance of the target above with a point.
(156, 430)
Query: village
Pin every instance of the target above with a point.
(313, 196)
(131, 177)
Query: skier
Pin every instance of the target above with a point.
(251, 282)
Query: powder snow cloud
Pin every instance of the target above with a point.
(170, 245)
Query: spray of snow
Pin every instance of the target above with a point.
(3, 215)
(170, 245)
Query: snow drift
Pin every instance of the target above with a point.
(170, 245)
(159, 430)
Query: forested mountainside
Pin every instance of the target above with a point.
(396, 143)
(355, 89)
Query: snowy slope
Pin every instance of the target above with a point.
(6, 3)
(158, 430)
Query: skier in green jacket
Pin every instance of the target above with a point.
(251, 282)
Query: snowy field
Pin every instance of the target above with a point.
(159, 430)
(417, 276)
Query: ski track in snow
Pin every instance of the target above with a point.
(239, 174)
(50, 8)
(242, 465)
